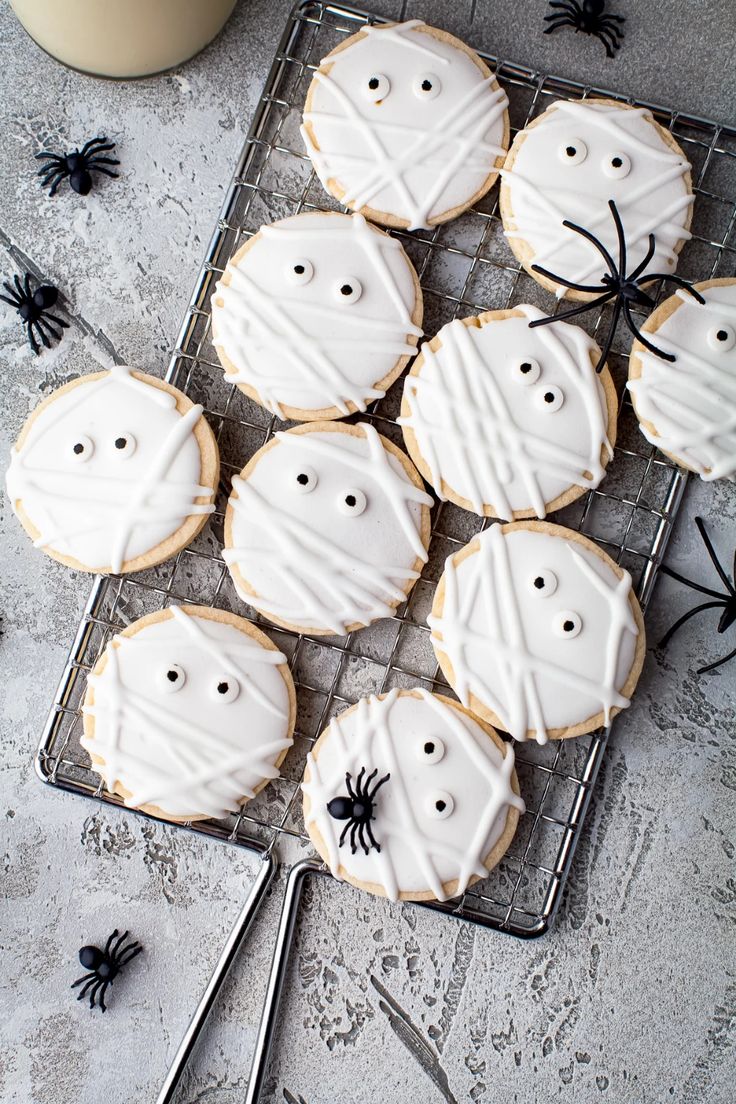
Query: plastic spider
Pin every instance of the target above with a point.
(616, 284)
(104, 966)
(33, 308)
(726, 602)
(357, 809)
(590, 18)
(77, 165)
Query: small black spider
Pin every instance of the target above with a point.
(33, 308)
(357, 810)
(590, 18)
(77, 165)
(726, 602)
(104, 966)
(616, 284)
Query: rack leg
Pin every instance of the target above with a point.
(225, 961)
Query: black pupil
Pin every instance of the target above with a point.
(439, 806)
(549, 397)
(350, 500)
(568, 626)
(617, 162)
(78, 448)
(373, 83)
(120, 442)
(722, 335)
(571, 151)
(222, 688)
(172, 676)
(302, 479)
(299, 269)
(539, 582)
(426, 86)
(525, 367)
(428, 747)
(346, 289)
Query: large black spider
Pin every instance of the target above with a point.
(357, 810)
(33, 308)
(104, 966)
(590, 18)
(616, 284)
(77, 165)
(726, 602)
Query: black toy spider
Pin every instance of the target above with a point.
(33, 308)
(104, 966)
(615, 284)
(590, 18)
(77, 165)
(726, 602)
(357, 810)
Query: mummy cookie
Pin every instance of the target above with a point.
(327, 528)
(114, 472)
(687, 407)
(406, 124)
(568, 164)
(409, 796)
(538, 631)
(317, 315)
(506, 420)
(188, 713)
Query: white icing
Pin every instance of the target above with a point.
(297, 338)
(414, 157)
(194, 752)
(422, 848)
(506, 644)
(486, 428)
(106, 505)
(652, 197)
(692, 401)
(312, 563)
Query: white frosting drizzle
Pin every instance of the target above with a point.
(499, 636)
(108, 510)
(417, 852)
(401, 157)
(316, 568)
(186, 753)
(653, 196)
(692, 402)
(488, 436)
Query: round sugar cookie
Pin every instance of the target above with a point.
(406, 124)
(114, 472)
(189, 712)
(411, 797)
(567, 164)
(508, 421)
(317, 315)
(687, 407)
(327, 528)
(538, 631)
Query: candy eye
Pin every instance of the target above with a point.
(439, 804)
(616, 166)
(305, 480)
(567, 624)
(172, 678)
(526, 371)
(82, 448)
(376, 88)
(300, 271)
(352, 502)
(226, 689)
(573, 152)
(426, 86)
(543, 583)
(125, 445)
(430, 749)
(348, 290)
(722, 338)
(550, 399)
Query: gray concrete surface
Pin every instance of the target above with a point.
(632, 998)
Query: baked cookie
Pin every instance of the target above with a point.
(409, 796)
(327, 528)
(188, 713)
(508, 421)
(405, 123)
(567, 164)
(114, 472)
(538, 631)
(687, 407)
(317, 315)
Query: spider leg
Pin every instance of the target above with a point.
(344, 833)
(647, 258)
(686, 617)
(55, 186)
(15, 301)
(611, 335)
(621, 237)
(108, 945)
(93, 980)
(59, 321)
(566, 5)
(85, 977)
(559, 21)
(610, 17)
(92, 161)
(575, 310)
(594, 241)
(32, 338)
(353, 830)
(35, 327)
(679, 281)
(45, 327)
(129, 953)
(359, 783)
(610, 53)
(637, 333)
(100, 142)
(24, 289)
(93, 995)
(378, 785)
(714, 558)
(367, 783)
(568, 283)
(107, 172)
(349, 784)
(103, 1006)
(690, 583)
(118, 945)
(371, 837)
(52, 158)
(718, 663)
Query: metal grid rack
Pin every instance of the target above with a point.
(465, 267)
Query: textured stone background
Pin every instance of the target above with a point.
(632, 997)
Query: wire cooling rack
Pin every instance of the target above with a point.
(465, 267)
